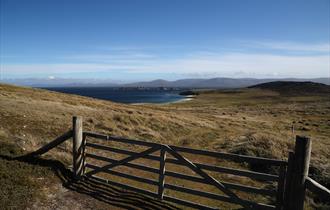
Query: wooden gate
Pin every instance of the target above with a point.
(86, 151)
(289, 183)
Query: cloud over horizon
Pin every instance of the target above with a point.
(299, 60)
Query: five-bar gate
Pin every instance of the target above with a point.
(289, 183)
(228, 192)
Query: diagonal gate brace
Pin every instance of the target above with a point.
(207, 177)
(125, 160)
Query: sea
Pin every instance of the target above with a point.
(125, 95)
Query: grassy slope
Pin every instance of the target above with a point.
(21, 183)
(256, 122)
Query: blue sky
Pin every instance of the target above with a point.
(131, 40)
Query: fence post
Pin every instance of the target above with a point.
(288, 181)
(299, 173)
(280, 188)
(161, 181)
(78, 147)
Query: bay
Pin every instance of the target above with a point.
(125, 95)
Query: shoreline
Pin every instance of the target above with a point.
(186, 98)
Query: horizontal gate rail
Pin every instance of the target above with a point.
(178, 188)
(223, 155)
(317, 188)
(230, 156)
(217, 197)
(185, 176)
(177, 159)
(152, 194)
(207, 177)
(125, 175)
(120, 139)
(292, 180)
(238, 172)
(132, 165)
(124, 186)
(120, 151)
(187, 203)
(227, 184)
(125, 160)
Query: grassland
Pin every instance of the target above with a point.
(247, 121)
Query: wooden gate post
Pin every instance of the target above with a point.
(78, 147)
(301, 161)
(288, 181)
(161, 181)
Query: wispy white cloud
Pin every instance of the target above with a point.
(232, 65)
(253, 65)
(137, 47)
(291, 46)
(110, 57)
(60, 68)
(202, 63)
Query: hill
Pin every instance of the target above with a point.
(218, 82)
(295, 88)
(188, 83)
(253, 121)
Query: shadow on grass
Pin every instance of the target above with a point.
(103, 192)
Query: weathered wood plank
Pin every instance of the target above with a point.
(300, 172)
(120, 151)
(125, 175)
(216, 196)
(51, 144)
(188, 203)
(167, 198)
(186, 177)
(317, 188)
(132, 165)
(78, 147)
(230, 156)
(251, 174)
(122, 140)
(96, 135)
(125, 160)
(288, 183)
(280, 188)
(83, 154)
(233, 186)
(150, 193)
(124, 186)
(223, 155)
(161, 180)
(238, 172)
(209, 178)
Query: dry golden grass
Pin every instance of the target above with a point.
(248, 121)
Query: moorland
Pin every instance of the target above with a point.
(260, 121)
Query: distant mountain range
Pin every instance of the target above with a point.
(60, 82)
(219, 82)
